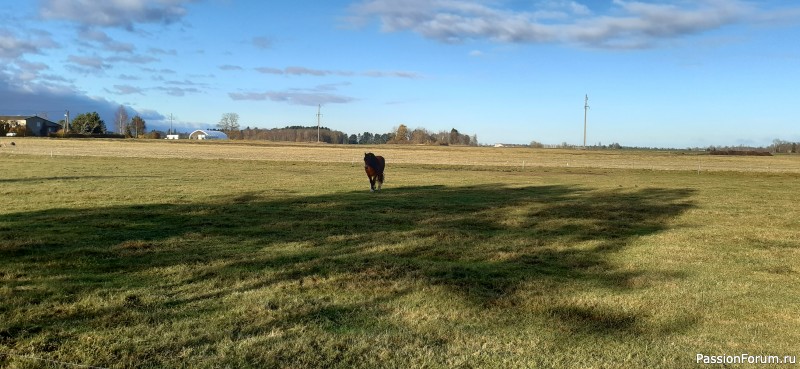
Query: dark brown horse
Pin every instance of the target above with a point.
(374, 165)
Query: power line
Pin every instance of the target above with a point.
(319, 115)
(585, 113)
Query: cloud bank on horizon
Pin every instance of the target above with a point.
(94, 56)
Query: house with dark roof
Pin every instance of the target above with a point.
(34, 125)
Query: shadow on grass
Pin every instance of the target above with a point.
(65, 178)
(482, 243)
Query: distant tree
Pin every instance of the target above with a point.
(19, 129)
(474, 140)
(365, 138)
(781, 146)
(422, 136)
(384, 138)
(454, 137)
(121, 119)
(229, 123)
(537, 145)
(776, 144)
(353, 139)
(88, 123)
(401, 135)
(5, 127)
(139, 126)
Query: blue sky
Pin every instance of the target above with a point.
(658, 73)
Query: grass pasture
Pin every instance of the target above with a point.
(161, 254)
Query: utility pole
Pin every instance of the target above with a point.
(66, 122)
(170, 124)
(319, 114)
(585, 113)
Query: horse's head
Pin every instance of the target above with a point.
(368, 157)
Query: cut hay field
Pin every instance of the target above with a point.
(400, 154)
(149, 254)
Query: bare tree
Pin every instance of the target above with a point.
(121, 119)
(421, 136)
(228, 123)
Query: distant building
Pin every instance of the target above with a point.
(201, 134)
(34, 126)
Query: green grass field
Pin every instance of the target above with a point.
(203, 262)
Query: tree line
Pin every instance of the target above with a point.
(290, 134)
(92, 124)
(421, 136)
(778, 146)
(400, 135)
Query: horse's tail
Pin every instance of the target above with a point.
(382, 166)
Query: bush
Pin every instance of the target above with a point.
(740, 153)
(60, 134)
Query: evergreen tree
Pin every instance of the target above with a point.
(88, 123)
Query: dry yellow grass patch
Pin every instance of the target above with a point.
(403, 154)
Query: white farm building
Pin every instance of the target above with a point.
(201, 134)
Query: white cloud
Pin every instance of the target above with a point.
(267, 70)
(159, 51)
(319, 95)
(95, 63)
(178, 91)
(293, 97)
(88, 35)
(629, 24)
(303, 71)
(230, 67)
(33, 97)
(395, 74)
(125, 90)
(114, 13)
(133, 59)
(300, 71)
(262, 42)
(13, 46)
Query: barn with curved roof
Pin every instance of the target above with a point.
(203, 134)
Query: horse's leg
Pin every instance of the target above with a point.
(380, 181)
(371, 184)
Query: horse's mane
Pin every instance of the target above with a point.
(371, 160)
